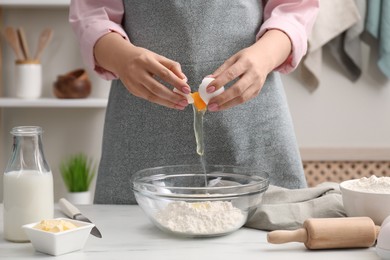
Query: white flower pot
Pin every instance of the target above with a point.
(79, 198)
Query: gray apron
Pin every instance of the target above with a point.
(200, 35)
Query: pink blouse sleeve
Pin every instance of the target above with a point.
(90, 20)
(296, 19)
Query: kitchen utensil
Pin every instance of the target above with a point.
(23, 43)
(223, 206)
(13, 39)
(358, 203)
(321, 233)
(44, 39)
(71, 211)
(61, 242)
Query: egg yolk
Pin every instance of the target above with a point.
(198, 101)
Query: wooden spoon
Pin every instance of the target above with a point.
(44, 39)
(23, 43)
(12, 38)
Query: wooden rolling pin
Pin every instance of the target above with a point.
(325, 233)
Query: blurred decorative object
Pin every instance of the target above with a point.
(74, 84)
(78, 173)
(28, 69)
(28, 79)
(17, 39)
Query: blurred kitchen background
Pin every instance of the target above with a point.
(339, 97)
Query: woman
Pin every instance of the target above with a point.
(149, 47)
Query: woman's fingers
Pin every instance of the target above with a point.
(243, 90)
(248, 94)
(250, 73)
(147, 69)
(230, 73)
(170, 72)
(229, 62)
(172, 66)
(162, 91)
(142, 91)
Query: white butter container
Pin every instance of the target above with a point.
(61, 242)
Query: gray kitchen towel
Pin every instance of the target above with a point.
(287, 209)
(346, 48)
(333, 19)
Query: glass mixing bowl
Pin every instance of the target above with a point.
(177, 200)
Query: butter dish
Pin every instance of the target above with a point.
(60, 242)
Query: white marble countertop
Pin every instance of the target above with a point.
(128, 234)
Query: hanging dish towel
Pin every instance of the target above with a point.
(346, 48)
(334, 18)
(378, 26)
(287, 209)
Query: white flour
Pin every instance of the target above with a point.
(371, 184)
(201, 218)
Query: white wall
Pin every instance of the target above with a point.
(342, 120)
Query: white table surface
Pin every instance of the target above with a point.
(128, 234)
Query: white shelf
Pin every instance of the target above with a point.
(54, 102)
(35, 3)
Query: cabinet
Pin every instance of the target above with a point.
(70, 126)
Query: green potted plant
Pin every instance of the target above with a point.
(77, 173)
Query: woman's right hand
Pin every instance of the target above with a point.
(139, 68)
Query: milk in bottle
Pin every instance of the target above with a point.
(27, 184)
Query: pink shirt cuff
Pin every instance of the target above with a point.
(90, 20)
(297, 38)
(295, 19)
(100, 29)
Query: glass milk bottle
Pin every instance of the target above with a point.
(27, 184)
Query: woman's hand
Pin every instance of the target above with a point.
(139, 68)
(250, 67)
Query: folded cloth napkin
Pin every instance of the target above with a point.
(287, 209)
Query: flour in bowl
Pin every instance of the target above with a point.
(372, 184)
(201, 218)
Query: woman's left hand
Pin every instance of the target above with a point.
(251, 67)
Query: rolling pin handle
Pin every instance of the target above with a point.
(286, 236)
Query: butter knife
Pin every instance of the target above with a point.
(74, 213)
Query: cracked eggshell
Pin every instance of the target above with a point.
(203, 93)
(190, 99)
